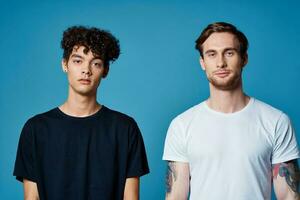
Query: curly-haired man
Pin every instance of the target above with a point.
(82, 149)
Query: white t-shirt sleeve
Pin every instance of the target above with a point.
(285, 144)
(175, 143)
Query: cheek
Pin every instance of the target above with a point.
(236, 62)
(98, 75)
(97, 79)
(73, 70)
(209, 68)
(209, 63)
(73, 74)
(71, 77)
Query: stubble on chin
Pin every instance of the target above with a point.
(230, 84)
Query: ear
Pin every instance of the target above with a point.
(245, 60)
(105, 72)
(202, 63)
(64, 65)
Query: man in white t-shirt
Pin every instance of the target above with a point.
(231, 146)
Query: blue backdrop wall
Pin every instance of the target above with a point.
(157, 75)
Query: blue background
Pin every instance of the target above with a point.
(157, 75)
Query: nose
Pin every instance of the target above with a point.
(86, 69)
(221, 62)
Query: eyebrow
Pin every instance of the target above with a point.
(76, 56)
(97, 58)
(209, 51)
(231, 49)
(81, 57)
(226, 49)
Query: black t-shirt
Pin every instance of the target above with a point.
(80, 158)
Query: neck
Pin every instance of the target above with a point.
(227, 101)
(79, 105)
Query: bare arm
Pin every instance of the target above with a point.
(177, 181)
(30, 190)
(131, 191)
(286, 179)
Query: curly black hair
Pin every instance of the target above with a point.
(102, 43)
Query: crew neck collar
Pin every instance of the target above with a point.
(102, 108)
(251, 101)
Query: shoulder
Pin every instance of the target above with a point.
(266, 109)
(35, 122)
(124, 125)
(118, 117)
(38, 118)
(269, 115)
(187, 116)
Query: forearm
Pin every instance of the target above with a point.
(177, 193)
(286, 179)
(177, 181)
(30, 190)
(289, 196)
(285, 193)
(131, 191)
(31, 198)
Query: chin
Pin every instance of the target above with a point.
(229, 84)
(86, 92)
(226, 87)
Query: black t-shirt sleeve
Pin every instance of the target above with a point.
(25, 159)
(137, 160)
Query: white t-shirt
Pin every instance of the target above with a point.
(230, 156)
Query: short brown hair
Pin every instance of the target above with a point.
(219, 27)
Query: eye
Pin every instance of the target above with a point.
(211, 54)
(229, 53)
(77, 61)
(97, 64)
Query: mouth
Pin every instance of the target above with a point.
(222, 73)
(85, 81)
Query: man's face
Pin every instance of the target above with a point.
(222, 61)
(84, 71)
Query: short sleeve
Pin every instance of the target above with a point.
(137, 164)
(25, 158)
(285, 144)
(175, 143)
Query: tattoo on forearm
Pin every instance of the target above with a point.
(290, 171)
(171, 176)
